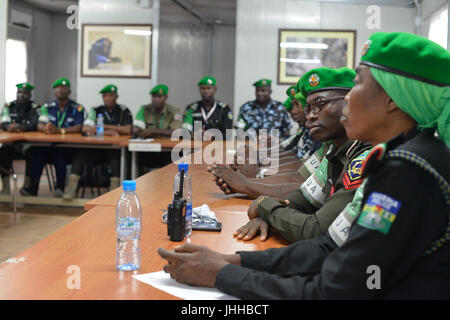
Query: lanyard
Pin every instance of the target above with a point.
(61, 120)
(161, 121)
(206, 117)
(107, 116)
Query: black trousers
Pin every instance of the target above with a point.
(112, 157)
(148, 161)
(11, 151)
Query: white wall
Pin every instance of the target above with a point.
(429, 7)
(52, 51)
(3, 37)
(62, 57)
(257, 27)
(183, 61)
(132, 92)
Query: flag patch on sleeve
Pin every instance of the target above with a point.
(379, 212)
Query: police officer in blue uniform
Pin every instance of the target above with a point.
(60, 116)
(263, 112)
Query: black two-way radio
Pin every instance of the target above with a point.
(176, 214)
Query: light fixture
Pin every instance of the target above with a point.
(314, 61)
(299, 45)
(137, 32)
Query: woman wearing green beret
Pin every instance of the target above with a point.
(397, 247)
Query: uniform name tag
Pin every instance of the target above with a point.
(313, 163)
(340, 227)
(312, 190)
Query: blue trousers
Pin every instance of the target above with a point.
(59, 157)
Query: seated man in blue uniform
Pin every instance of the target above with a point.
(397, 245)
(60, 116)
(263, 112)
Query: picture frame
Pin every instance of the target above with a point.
(300, 50)
(116, 50)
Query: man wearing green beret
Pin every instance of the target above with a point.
(291, 92)
(117, 120)
(158, 119)
(333, 184)
(395, 244)
(263, 112)
(208, 112)
(60, 116)
(297, 161)
(18, 116)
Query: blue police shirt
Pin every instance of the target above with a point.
(251, 116)
(72, 115)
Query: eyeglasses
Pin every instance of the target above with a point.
(317, 105)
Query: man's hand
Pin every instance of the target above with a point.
(228, 179)
(112, 133)
(90, 131)
(253, 209)
(14, 127)
(51, 129)
(147, 133)
(193, 264)
(249, 230)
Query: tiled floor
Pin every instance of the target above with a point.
(32, 223)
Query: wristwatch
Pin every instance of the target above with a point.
(63, 131)
(261, 173)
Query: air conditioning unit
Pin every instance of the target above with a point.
(20, 19)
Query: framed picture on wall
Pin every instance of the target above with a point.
(303, 50)
(115, 50)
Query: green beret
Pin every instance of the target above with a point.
(300, 98)
(262, 83)
(321, 79)
(161, 89)
(110, 88)
(287, 104)
(207, 81)
(25, 85)
(291, 91)
(408, 55)
(61, 82)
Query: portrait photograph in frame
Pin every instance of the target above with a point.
(115, 50)
(303, 50)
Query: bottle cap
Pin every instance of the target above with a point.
(100, 115)
(183, 166)
(129, 185)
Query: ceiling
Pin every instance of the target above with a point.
(204, 11)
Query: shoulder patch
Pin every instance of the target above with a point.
(376, 154)
(353, 176)
(379, 212)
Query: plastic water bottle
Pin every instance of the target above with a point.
(187, 194)
(100, 126)
(128, 228)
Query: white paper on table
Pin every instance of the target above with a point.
(164, 282)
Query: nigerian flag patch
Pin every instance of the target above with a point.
(379, 212)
